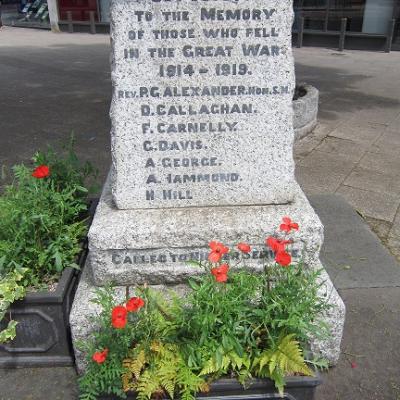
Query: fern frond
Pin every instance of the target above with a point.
(167, 373)
(127, 383)
(188, 381)
(210, 367)
(289, 357)
(278, 377)
(225, 364)
(261, 361)
(236, 361)
(136, 364)
(156, 346)
(148, 383)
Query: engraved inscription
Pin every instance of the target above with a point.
(199, 79)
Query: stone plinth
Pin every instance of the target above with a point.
(131, 247)
(231, 225)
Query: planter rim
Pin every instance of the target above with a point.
(67, 274)
(291, 381)
(311, 91)
(228, 388)
(58, 295)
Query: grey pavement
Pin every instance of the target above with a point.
(355, 149)
(53, 84)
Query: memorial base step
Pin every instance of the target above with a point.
(155, 246)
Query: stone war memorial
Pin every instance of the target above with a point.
(202, 149)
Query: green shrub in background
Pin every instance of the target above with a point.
(41, 224)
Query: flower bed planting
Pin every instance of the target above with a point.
(232, 324)
(44, 217)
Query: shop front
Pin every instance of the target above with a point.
(352, 24)
(365, 24)
(25, 13)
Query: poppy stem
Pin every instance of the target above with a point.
(127, 293)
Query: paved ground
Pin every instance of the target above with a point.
(355, 149)
(56, 84)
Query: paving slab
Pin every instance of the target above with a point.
(381, 206)
(369, 365)
(385, 163)
(367, 179)
(363, 135)
(342, 146)
(352, 254)
(305, 146)
(395, 231)
(378, 115)
(327, 163)
(314, 180)
(57, 383)
(388, 143)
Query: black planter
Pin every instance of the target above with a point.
(297, 388)
(43, 332)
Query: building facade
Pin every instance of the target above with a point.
(354, 24)
(366, 24)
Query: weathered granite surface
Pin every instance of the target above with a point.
(305, 112)
(329, 348)
(154, 246)
(201, 120)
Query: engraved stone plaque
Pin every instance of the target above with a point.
(202, 103)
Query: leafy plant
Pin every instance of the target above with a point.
(10, 290)
(231, 323)
(286, 357)
(41, 224)
(154, 322)
(67, 171)
(160, 368)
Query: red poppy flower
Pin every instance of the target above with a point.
(353, 365)
(288, 225)
(244, 247)
(283, 258)
(277, 245)
(100, 356)
(119, 317)
(217, 251)
(40, 172)
(134, 304)
(221, 273)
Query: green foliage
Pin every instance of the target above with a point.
(41, 226)
(293, 303)
(153, 322)
(41, 222)
(250, 326)
(98, 379)
(10, 290)
(283, 359)
(160, 369)
(67, 171)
